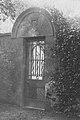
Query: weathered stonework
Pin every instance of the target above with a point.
(11, 56)
(32, 22)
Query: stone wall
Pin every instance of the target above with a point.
(11, 69)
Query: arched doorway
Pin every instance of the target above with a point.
(35, 26)
(34, 90)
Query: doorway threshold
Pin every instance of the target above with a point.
(35, 108)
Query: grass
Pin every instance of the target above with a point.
(10, 112)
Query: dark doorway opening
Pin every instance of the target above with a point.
(34, 85)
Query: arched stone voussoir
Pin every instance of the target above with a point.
(33, 22)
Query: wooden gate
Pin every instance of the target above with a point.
(34, 90)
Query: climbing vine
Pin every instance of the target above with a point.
(67, 74)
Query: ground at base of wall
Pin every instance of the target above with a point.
(10, 112)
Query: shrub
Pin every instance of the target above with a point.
(67, 75)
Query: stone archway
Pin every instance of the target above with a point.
(33, 22)
(34, 25)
